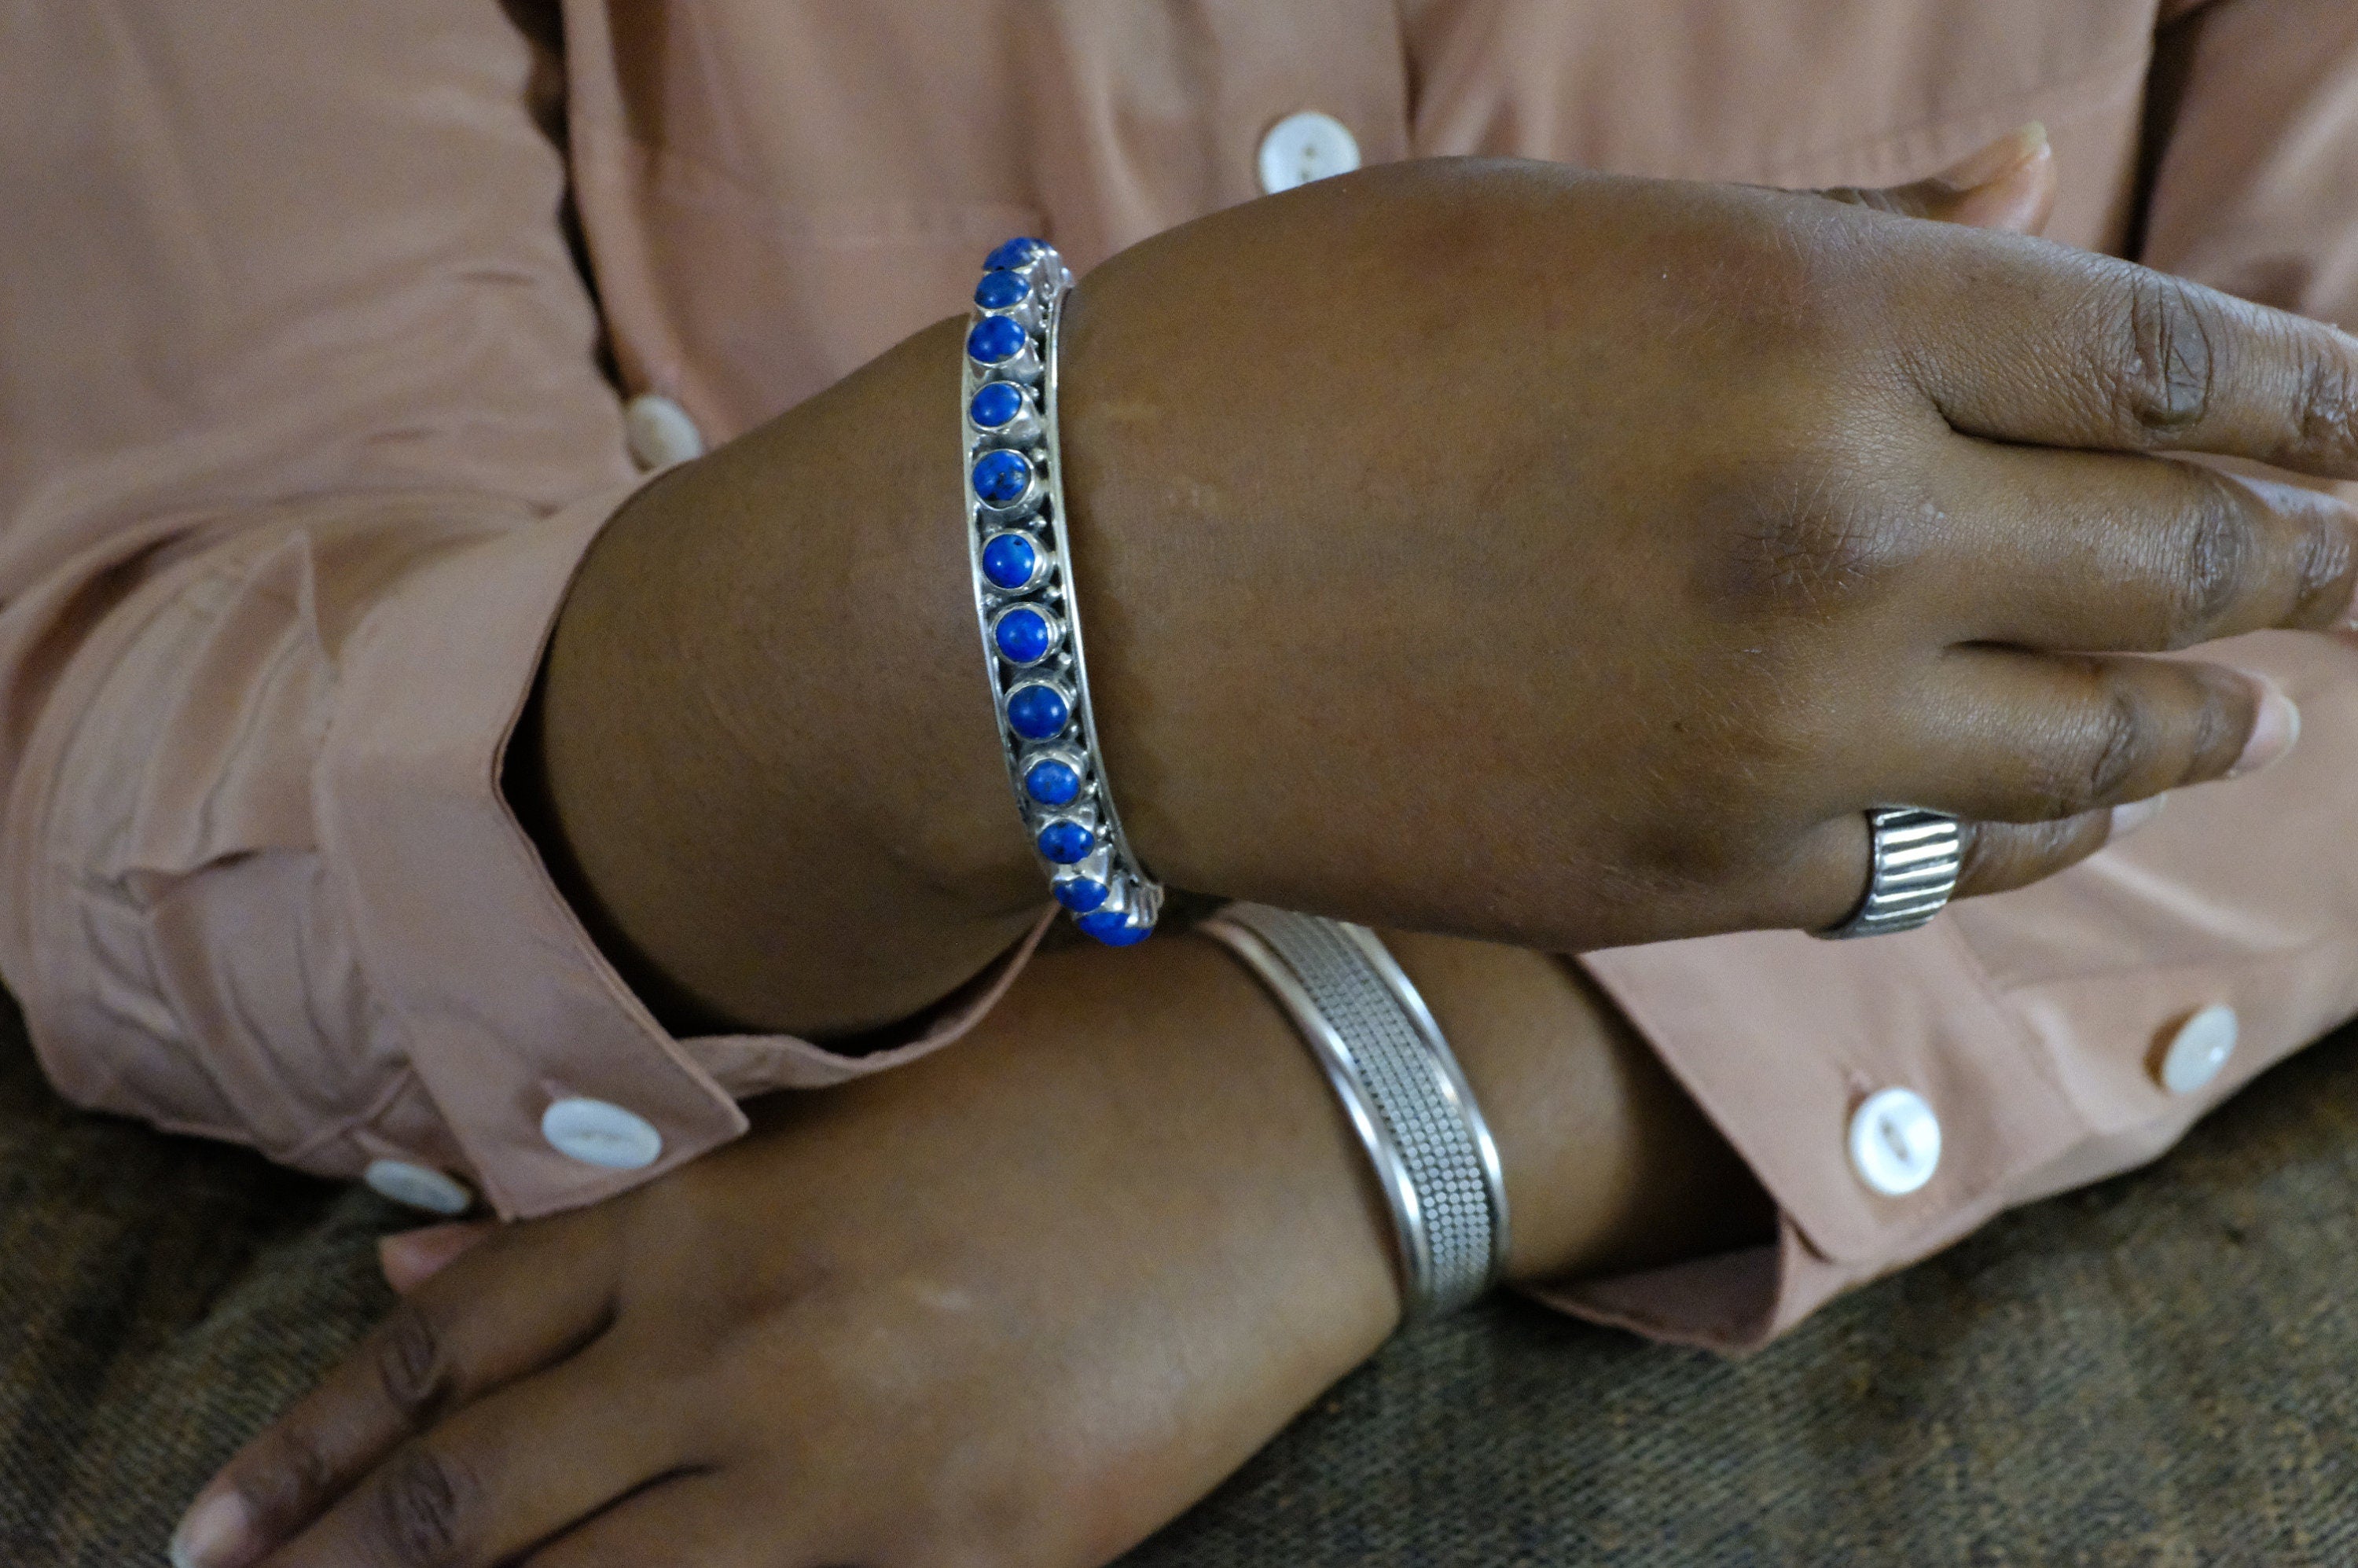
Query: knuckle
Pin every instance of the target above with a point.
(2165, 361)
(2325, 410)
(425, 1509)
(2216, 548)
(413, 1362)
(2216, 736)
(1803, 542)
(2115, 742)
(2324, 558)
(288, 1477)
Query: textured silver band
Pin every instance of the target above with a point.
(1916, 857)
(1400, 1084)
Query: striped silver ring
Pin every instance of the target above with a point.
(1916, 857)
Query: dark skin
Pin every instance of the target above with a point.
(1019, 1303)
(1502, 662)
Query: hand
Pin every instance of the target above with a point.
(1017, 1303)
(1637, 536)
(1467, 546)
(1020, 1303)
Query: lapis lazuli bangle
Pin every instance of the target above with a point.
(1023, 596)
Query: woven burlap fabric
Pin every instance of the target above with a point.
(2157, 1371)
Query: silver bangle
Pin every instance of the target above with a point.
(1401, 1087)
(1023, 597)
(1914, 859)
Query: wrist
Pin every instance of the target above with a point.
(1609, 1166)
(765, 728)
(1175, 653)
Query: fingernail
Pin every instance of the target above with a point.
(217, 1533)
(2273, 731)
(1998, 159)
(2127, 819)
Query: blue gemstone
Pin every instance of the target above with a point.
(1015, 252)
(995, 404)
(1023, 635)
(1036, 711)
(1000, 477)
(994, 339)
(1081, 894)
(1009, 560)
(997, 290)
(1066, 842)
(1051, 783)
(1113, 928)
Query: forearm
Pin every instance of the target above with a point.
(1176, 1089)
(762, 756)
(1609, 1166)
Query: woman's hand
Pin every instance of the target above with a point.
(1469, 546)
(1495, 549)
(1019, 1303)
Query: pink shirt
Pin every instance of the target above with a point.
(306, 419)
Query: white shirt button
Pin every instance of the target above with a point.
(599, 1134)
(419, 1186)
(1305, 147)
(660, 433)
(2198, 1049)
(1895, 1142)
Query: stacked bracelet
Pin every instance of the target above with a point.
(1023, 597)
(1401, 1087)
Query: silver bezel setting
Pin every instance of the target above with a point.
(1018, 432)
(1040, 751)
(1038, 516)
(1056, 632)
(1042, 562)
(1021, 675)
(1024, 507)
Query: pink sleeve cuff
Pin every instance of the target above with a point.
(505, 1004)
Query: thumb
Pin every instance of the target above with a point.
(2009, 184)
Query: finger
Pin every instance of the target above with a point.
(1995, 856)
(2009, 184)
(2019, 737)
(2002, 856)
(410, 1258)
(512, 1469)
(2031, 342)
(530, 1298)
(709, 1520)
(2098, 552)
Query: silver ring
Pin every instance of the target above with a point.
(1916, 858)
